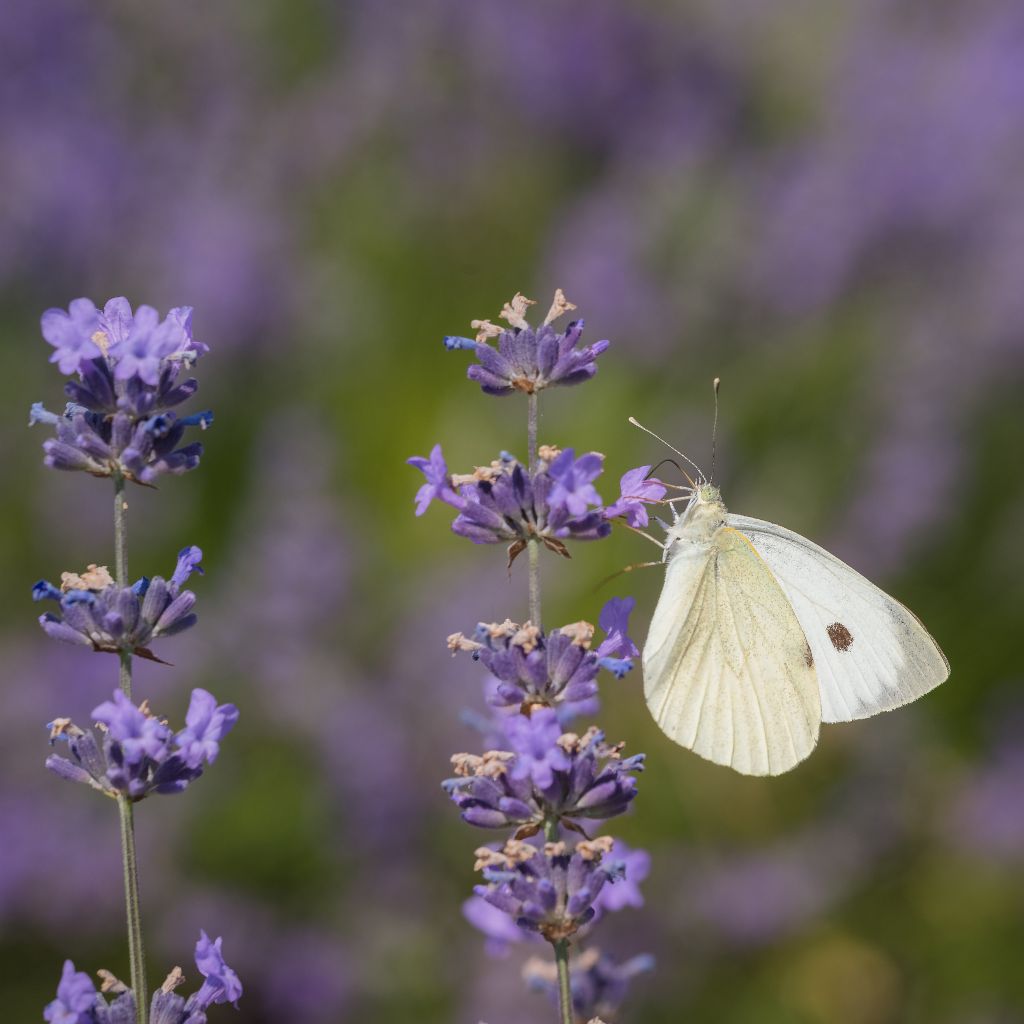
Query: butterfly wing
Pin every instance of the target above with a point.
(727, 671)
(872, 654)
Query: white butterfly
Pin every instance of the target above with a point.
(759, 636)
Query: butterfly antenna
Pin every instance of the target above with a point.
(714, 429)
(624, 570)
(637, 423)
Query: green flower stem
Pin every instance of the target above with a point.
(564, 989)
(561, 947)
(129, 860)
(534, 545)
(136, 946)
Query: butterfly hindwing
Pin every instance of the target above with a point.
(871, 653)
(727, 670)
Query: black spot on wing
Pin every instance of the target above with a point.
(841, 637)
(808, 657)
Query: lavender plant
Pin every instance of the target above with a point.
(537, 781)
(128, 377)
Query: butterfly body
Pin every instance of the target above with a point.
(760, 635)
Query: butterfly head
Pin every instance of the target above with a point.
(704, 514)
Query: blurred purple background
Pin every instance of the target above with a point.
(823, 206)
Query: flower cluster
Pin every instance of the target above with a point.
(599, 984)
(631, 867)
(548, 889)
(528, 360)
(507, 503)
(140, 754)
(556, 669)
(129, 367)
(79, 1002)
(547, 775)
(95, 612)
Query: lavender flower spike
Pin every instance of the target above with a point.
(119, 420)
(528, 360)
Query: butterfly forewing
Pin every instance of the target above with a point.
(727, 670)
(872, 654)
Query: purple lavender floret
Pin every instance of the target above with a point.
(557, 669)
(635, 866)
(499, 930)
(220, 982)
(636, 492)
(119, 417)
(599, 984)
(140, 754)
(617, 651)
(506, 503)
(528, 360)
(76, 998)
(544, 775)
(97, 613)
(549, 890)
(439, 483)
(79, 1002)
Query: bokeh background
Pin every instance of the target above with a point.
(820, 203)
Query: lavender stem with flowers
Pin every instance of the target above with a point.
(537, 781)
(120, 423)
